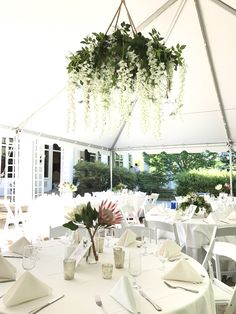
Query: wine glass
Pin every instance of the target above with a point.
(162, 255)
(135, 265)
(30, 256)
(145, 239)
(109, 233)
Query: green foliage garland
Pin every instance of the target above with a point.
(117, 66)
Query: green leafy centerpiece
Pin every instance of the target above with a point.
(197, 200)
(116, 71)
(106, 216)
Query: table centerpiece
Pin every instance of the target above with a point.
(197, 200)
(92, 219)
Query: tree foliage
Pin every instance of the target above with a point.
(224, 161)
(95, 177)
(170, 165)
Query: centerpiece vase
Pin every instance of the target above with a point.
(92, 257)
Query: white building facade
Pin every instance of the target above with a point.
(31, 166)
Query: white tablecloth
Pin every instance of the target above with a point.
(88, 282)
(193, 233)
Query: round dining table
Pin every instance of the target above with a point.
(193, 233)
(88, 282)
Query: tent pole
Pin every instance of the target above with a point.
(225, 6)
(111, 168)
(230, 169)
(152, 17)
(213, 70)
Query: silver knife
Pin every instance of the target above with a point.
(45, 305)
(12, 256)
(226, 222)
(156, 306)
(6, 280)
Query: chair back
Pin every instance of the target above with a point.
(224, 231)
(163, 226)
(231, 306)
(57, 232)
(226, 249)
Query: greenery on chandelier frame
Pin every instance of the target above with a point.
(113, 70)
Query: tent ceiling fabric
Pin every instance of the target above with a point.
(38, 35)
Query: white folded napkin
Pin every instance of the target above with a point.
(26, 288)
(169, 249)
(232, 215)
(183, 271)
(18, 246)
(176, 215)
(158, 210)
(127, 238)
(211, 219)
(7, 270)
(126, 295)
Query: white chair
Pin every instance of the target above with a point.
(221, 247)
(154, 197)
(127, 224)
(10, 217)
(163, 226)
(57, 232)
(225, 296)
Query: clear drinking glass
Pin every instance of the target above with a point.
(135, 265)
(30, 256)
(145, 239)
(107, 269)
(69, 268)
(109, 234)
(162, 256)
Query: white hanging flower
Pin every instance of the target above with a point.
(110, 69)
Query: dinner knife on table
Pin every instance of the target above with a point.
(34, 311)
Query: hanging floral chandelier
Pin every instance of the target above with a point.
(116, 71)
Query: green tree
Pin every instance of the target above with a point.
(224, 161)
(172, 164)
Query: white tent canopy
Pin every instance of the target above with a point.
(36, 37)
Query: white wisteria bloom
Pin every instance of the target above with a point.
(114, 70)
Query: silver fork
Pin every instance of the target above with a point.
(179, 287)
(99, 303)
(156, 306)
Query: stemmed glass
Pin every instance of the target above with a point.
(145, 239)
(135, 265)
(30, 256)
(162, 256)
(109, 233)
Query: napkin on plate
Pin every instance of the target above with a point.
(232, 215)
(7, 270)
(126, 295)
(183, 271)
(26, 288)
(18, 246)
(127, 238)
(176, 215)
(169, 249)
(211, 219)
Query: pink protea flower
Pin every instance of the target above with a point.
(108, 214)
